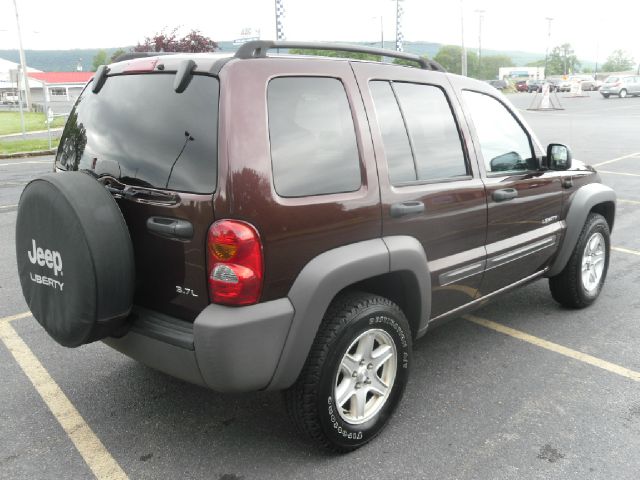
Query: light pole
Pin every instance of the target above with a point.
(399, 35)
(23, 63)
(463, 54)
(480, 16)
(546, 53)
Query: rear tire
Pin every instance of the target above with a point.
(581, 281)
(623, 93)
(355, 374)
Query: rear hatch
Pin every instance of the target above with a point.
(156, 151)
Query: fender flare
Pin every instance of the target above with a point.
(582, 202)
(332, 271)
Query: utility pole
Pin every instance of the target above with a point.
(546, 53)
(463, 54)
(480, 15)
(25, 73)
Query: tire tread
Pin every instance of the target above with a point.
(300, 399)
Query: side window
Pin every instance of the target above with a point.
(313, 141)
(394, 134)
(429, 147)
(504, 143)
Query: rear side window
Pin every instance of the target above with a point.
(313, 141)
(420, 134)
(140, 131)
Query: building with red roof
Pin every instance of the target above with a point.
(57, 89)
(59, 78)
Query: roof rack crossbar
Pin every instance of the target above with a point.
(259, 48)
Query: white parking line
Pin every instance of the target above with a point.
(554, 347)
(2, 207)
(616, 159)
(3, 164)
(626, 250)
(92, 450)
(17, 316)
(632, 202)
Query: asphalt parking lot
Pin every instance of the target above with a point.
(523, 389)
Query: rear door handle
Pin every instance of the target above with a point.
(170, 227)
(411, 207)
(504, 194)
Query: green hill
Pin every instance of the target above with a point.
(67, 60)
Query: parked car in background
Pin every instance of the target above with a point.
(621, 85)
(499, 84)
(8, 98)
(535, 85)
(554, 84)
(587, 82)
(521, 86)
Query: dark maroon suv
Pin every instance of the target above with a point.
(280, 222)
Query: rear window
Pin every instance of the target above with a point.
(140, 131)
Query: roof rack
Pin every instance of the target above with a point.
(259, 48)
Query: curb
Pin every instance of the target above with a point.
(37, 153)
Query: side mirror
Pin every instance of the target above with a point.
(558, 157)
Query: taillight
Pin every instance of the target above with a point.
(234, 263)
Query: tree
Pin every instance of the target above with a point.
(335, 53)
(562, 61)
(491, 66)
(410, 63)
(99, 59)
(450, 57)
(116, 54)
(618, 61)
(164, 41)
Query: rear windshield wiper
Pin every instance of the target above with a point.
(139, 194)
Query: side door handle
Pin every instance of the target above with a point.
(170, 227)
(411, 207)
(504, 194)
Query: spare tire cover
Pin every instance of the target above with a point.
(75, 257)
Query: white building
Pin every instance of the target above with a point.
(521, 73)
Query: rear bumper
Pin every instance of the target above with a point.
(226, 349)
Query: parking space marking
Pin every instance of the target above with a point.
(620, 173)
(626, 250)
(554, 347)
(3, 164)
(94, 453)
(632, 202)
(616, 159)
(4, 207)
(17, 316)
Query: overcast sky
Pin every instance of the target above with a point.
(507, 25)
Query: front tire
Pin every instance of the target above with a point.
(581, 281)
(355, 374)
(605, 95)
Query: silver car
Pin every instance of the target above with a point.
(621, 85)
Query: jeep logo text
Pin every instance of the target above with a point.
(51, 259)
